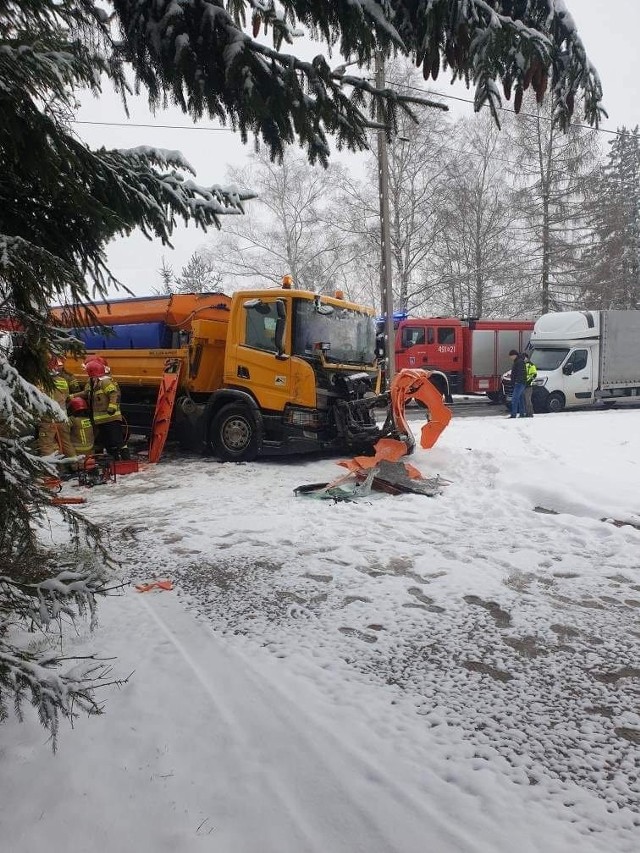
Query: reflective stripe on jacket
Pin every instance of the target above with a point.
(102, 395)
(60, 390)
(81, 435)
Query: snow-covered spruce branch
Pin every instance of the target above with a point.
(158, 197)
(52, 66)
(68, 593)
(39, 676)
(21, 402)
(53, 692)
(201, 54)
(267, 13)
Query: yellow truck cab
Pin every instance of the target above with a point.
(277, 369)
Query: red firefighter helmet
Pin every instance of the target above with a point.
(77, 406)
(95, 368)
(102, 360)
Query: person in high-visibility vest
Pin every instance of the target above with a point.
(532, 372)
(103, 398)
(55, 436)
(81, 426)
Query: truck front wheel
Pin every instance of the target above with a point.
(233, 435)
(555, 403)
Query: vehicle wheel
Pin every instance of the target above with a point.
(233, 434)
(555, 403)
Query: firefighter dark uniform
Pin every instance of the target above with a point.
(103, 398)
(55, 436)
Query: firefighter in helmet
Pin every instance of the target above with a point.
(54, 436)
(81, 427)
(103, 399)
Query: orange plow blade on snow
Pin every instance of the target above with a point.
(416, 385)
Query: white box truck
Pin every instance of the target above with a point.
(584, 357)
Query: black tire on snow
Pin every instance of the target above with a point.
(233, 434)
(555, 403)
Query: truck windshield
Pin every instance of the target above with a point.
(343, 335)
(548, 359)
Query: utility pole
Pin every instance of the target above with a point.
(386, 285)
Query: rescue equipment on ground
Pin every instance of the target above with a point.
(96, 471)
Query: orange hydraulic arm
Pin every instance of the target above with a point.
(415, 385)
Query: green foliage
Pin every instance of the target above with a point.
(60, 203)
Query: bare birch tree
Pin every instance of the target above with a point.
(417, 163)
(552, 173)
(474, 257)
(289, 230)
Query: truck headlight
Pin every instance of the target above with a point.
(542, 380)
(303, 417)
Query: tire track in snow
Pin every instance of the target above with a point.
(302, 794)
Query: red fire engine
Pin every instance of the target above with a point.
(472, 353)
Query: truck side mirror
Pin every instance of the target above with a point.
(281, 322)
(567, 369)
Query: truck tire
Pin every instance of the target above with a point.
(233, 434)
(555, 402)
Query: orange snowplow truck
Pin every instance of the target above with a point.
(274, 370)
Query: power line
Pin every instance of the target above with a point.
(504, 109)
(154, 126)
(388, 82)
(230, 130)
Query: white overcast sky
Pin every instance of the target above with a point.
(609, 29)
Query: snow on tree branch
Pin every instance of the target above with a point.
(202, 55)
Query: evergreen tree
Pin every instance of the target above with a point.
(198, 275)
(167, 276)
(60, 202)
(200, 56)
(614, 218)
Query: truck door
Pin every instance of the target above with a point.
(578, 377)
(412, 347)
(446, 352)
(257, 365)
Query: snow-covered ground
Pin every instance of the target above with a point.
(398, 674)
